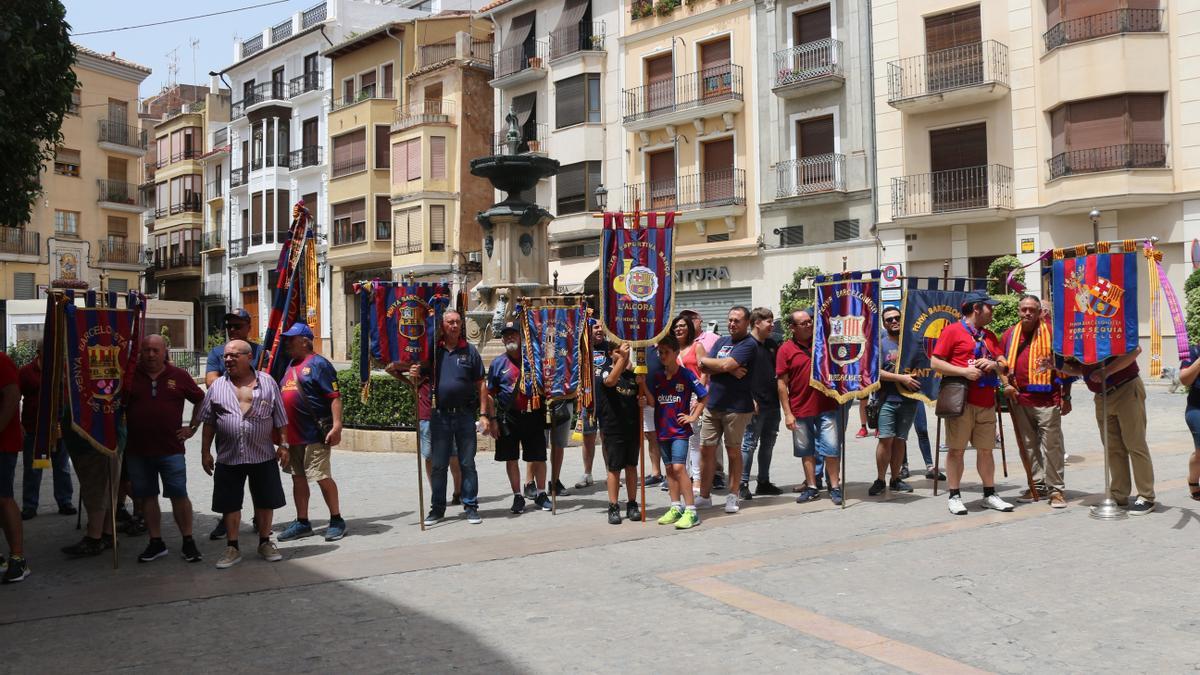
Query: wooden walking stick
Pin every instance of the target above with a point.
(1000, 427)
(937, 456)
(416, 387)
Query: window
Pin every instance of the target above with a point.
(845, 230)
(24, 286)
(118, 285)
(577, 100)
(66, 222)
(383, 218)
(382, 135)
(350, 152)
(118, 227)
(406, 231)
(386, 76)
(575, 185)
(587, 249)
(437, 227)
(712, 238)
(348, 91)
(216, 265)
(437, 157)
(1113, 132)
(791, 235)
(406, 161)
(349, 222)
(66, 162)
(76, 101)
(162, 151)
(366, 85)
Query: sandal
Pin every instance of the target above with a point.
(1194, 488)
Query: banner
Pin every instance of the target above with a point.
(1095, 301)
(1160, 289)
(296, 296)
(845, 362)
(637, 288)
(397, 322)
(923, 314)
(556, 351)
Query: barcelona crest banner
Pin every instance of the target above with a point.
(398, 322)
(636, 278)
(555, 347)
(924, 313)
(296, 296)
(845, 361)
(1095, 301)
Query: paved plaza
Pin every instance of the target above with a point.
(884, 585)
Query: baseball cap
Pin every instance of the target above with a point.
(509, 327)
(238, 314)
(300, 329)
(978, 296)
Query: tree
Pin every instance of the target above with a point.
(36, 86)
(795, 294)
(997, 274)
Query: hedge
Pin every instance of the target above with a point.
(391, 404)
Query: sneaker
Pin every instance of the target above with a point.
(956, 506)
(994, 502)
(656, 479)
(862, 433)
(456, 499)
(558, 489)
(269, 551)
(1057, 500)
(688, 520)
(703, 502)
(808, 495)
(632, 512)
(767, 489)
(876, 488)
(28, 514)
(136, 526)
(1026, 497)
(154, 550)
(16, 570)
(473, 515)
(719, 481)
(543, 502)
(835, 495)
(584, 481)
(614, 514)
(218, 532)
(665, 487)
(671, 517)
(336, 530)
(229, 558)
(86, 547)
(434, 517)
(904, 472)
(518, 505)
(190, 552)
(744, 491)
(296, 530)
(731, 503)
(1141, 506)
(800, 487)
(899, 485)
(530, 490)
(931, 474)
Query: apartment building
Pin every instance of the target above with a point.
(1001, 125)
(216, 284)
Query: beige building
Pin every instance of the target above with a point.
(86, 225)
(1001, 125)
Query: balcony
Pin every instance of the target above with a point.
(345, 232)
(808, 68)
(264, 92)
(214, 286)
(303, 158)
(252, 46)
(176, 264)
(269, 161)
(428, 111)
(407, 248)
(961, 75)
(519, 64)
(241, 246)
(479, 52)
(1116, 22)
(210, 241)
(810, 177)
(987, 190)
(707, 93)
(1110, 158)
(187, 205)
(120, 196)
(536, 140)
(112, 252)
(122, 138)
(237, 177)
(303, 84)
(220, 138)
(365, 94)
(160, 162)
(577, 39)
(708, 190)
(17, 243)
(281, 31)
(348, 166)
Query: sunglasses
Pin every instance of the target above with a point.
(891, 319)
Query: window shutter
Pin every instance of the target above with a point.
(118, 226)
(387, 80)
(714, 54)
(812, 26)
(24, 286)
(593, 181)
(358, 211)
(952, 29)
(1096, 123)
(1146, 118)
(399, 232)
(844, 230)
(1058, 131)
(815, 137)
(414, 159)
(65, 156)
(437, 227)
(569, 102)
(437, 157)
(367, 83)
(569, 184)
(399, 163)
(382, 132)
(117, 285)
(791, 235)
(342, 210)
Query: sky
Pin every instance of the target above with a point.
(152, 46)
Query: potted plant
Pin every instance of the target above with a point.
(534, 145)
(535, 62)
(641, 8)
(665, 7)
(597, 41)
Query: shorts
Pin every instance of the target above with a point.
(591, 424)
(977, 426)
(425, 439)
(816, 435)
(648, 419)
(523, 433)
(620, 452)
(896, 418)
(1192, 417)
(717, 423)
(673, 450)
(562, 415)
(145, 472)
(229, 484)
(8, 474)
(311, 461)
(94, 470)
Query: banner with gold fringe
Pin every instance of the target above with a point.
(845, 354)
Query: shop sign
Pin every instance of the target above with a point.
(696, 274)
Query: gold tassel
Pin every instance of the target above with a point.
(1153, 259)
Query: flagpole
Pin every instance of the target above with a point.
(112, 470)
(937, 450)
(843, 420)
(1107, 509)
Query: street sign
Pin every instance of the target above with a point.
(889, 294)
(890, 275)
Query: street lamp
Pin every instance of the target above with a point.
(601, 196)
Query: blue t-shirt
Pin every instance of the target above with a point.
(726, 392)
(889, 354)
(502, 379)
(458, 374)
(672, 398)
(308, 389)
(216, 361)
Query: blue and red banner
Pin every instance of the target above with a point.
(924, 312)
(845, 355)
(1095, 299)
(296, 296)
(398, 322)
(637, 292)
(556, 356)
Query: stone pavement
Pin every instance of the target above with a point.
(886, 584)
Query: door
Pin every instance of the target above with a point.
(661, 187)
(958, 165)
(308, 140)
(809, 28)
(716, 74)
(814, 149)
(953, 50)
(660, 83)
(118, 122)
(717, 181)
(278, 85)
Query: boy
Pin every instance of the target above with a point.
(617, 406)
(675, 410)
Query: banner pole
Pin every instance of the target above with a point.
(416, 389)
(639, 369)
(1000, 428)
(843, 419)
(937, 456)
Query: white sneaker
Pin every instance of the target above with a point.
(956, 506)
(994, 502)
(731, 503)
(703, 502)
(584, 481)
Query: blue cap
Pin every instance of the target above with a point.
(978, 296)
(509, 327)
(238, 314)
(299, 329)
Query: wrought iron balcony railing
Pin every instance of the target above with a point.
(121, 253)
(685, 92)
(428, 111)
(305, 157)
(808, 62)
(1115, 22)
(350, 165)
(512, 60)
(948, 69)
(19, 241)
(237, 177)
(191, 205)
(810, 175)
(210, 240)
(119, 192)
(536, 138)
(976, 187)
(709, 189)
(313, 16)
(304, 83)
(118, 133)
(580, 37)
(367, 93)
(1109, 158)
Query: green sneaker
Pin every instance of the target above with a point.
(673, 514)
(688, 520)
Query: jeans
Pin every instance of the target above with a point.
(453, 432)
(762, 431)
(816, 435)
(921, 426)
(31, 486)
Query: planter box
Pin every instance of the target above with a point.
(370, 440)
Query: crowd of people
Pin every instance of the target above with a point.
(698, 393)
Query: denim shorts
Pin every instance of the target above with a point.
(144, 473)
(591, 423)
(1192, 417)
(426, 439)
(896, 418)
(816, 435)
(673, 450)
(8, 474)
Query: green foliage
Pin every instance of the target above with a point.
(1004, 314)
(38, 84)
(1193, 281)
(213, 340)
(997, 274)
(22, 351)
(391, 403)
(794, 295)
(355, 361)
(1192, 310)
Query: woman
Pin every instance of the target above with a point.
(690, 353)
(1187, 377)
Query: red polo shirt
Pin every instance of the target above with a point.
(956, 347)
(155, 411)
(10, 435)
(30, 380)
(794, 361)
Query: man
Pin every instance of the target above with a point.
(810, 415)
(154, 446)
(459, 390)
(730, 403)
(314, 413)
(707, 339)
(30, 380)
(897, 412)
(968, 350)
(244, 412)
(1034, 393)
(764, 425)
(588, 421)
(10, 444)
(237, 327)
(517, 428)
(617, 403)
(1126, 425)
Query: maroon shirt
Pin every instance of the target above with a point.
(1114, 379)
(794, 361)
(29, 378)
(10, 435)
(155, 411)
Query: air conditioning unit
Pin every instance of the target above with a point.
(475, 257)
